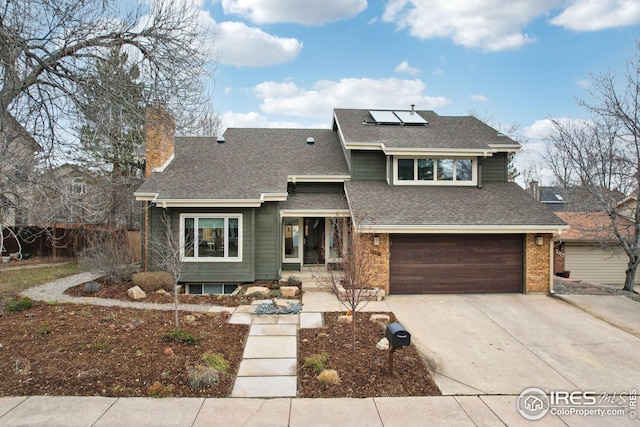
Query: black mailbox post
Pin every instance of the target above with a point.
(397, 336)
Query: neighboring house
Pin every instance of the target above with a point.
(589, 250)
(569, 199)
(18, 152)
(430, 190)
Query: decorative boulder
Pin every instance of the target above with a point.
(383, 344)
(136, 293)
(345, 319)
(258, 290)
(289, 291)
(281, 303)
(380, 319)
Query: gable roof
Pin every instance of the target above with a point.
(592, 227)
(435, 209)
(465, 134)
(249, 167)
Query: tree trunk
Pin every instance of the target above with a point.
(630, 275)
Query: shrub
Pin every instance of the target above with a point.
(107, 253)
(158, 390)
(22, 304)
(180, 335)
(216, 361)
(329, 376)
(294, 281)
(153, 281)
(91, 287)
(203, 376)
(317, 361)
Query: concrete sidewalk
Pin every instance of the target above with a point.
(435, 411)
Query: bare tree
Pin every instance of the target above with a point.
(350, 278)
(50, 51)
(601, 156)
(167, 252)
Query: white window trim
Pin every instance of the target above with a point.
(435, 181)
(226, 217)
(327, 232)
(298, 259)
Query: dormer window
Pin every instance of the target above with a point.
(434, 171)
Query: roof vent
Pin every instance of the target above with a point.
(311, 140)
(413, 109)
(220, 140)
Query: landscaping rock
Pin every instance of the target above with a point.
(281, 304)
(345, 319)
(257, 290)
(269, 308)
(383, 344)
(163, 292)
(190, 318)
(381, 319)
(289, 291)
(136, 293)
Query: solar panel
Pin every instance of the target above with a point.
(385, 117)
(411, 119)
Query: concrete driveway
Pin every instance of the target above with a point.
(503, 344)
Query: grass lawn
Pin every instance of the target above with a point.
(13, 282)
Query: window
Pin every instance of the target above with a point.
(291, 238)
(211, 288)
(211, 237)
(433, 171)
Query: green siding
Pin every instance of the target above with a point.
(268, 252)
(368, 165)
(211, 271)
(494, 168)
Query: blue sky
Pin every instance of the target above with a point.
(287, 63)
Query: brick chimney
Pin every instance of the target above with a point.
(160, 136)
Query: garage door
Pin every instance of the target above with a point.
(476, 263)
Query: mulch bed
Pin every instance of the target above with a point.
(119, 291)
(365, 373)
(86, 350)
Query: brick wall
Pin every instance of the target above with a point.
(378, 262)
(537, 263)
(160, 135)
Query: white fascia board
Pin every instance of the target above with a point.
(438, 152)
(145, 197)
(463, 229)
(364, 145)
(274, 197)
(164, 166)
(296, 213)
(512, 148)
(318, 178)
(213, 203)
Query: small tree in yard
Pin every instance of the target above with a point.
(168, 252)
(350, 277)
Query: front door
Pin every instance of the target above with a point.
(313, 241)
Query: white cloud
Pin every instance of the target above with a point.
(594, 15)
(438, 71)
(583, 82)
(545, 128)
(244, 46)
(288, 99)
(491, 25)
(404, 67)
(257, 120)
(228, 90)
(479, 98)
(309, 12)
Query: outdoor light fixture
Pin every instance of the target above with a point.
(376, 240)
(539, 240)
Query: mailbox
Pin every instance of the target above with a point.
(397, 335)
